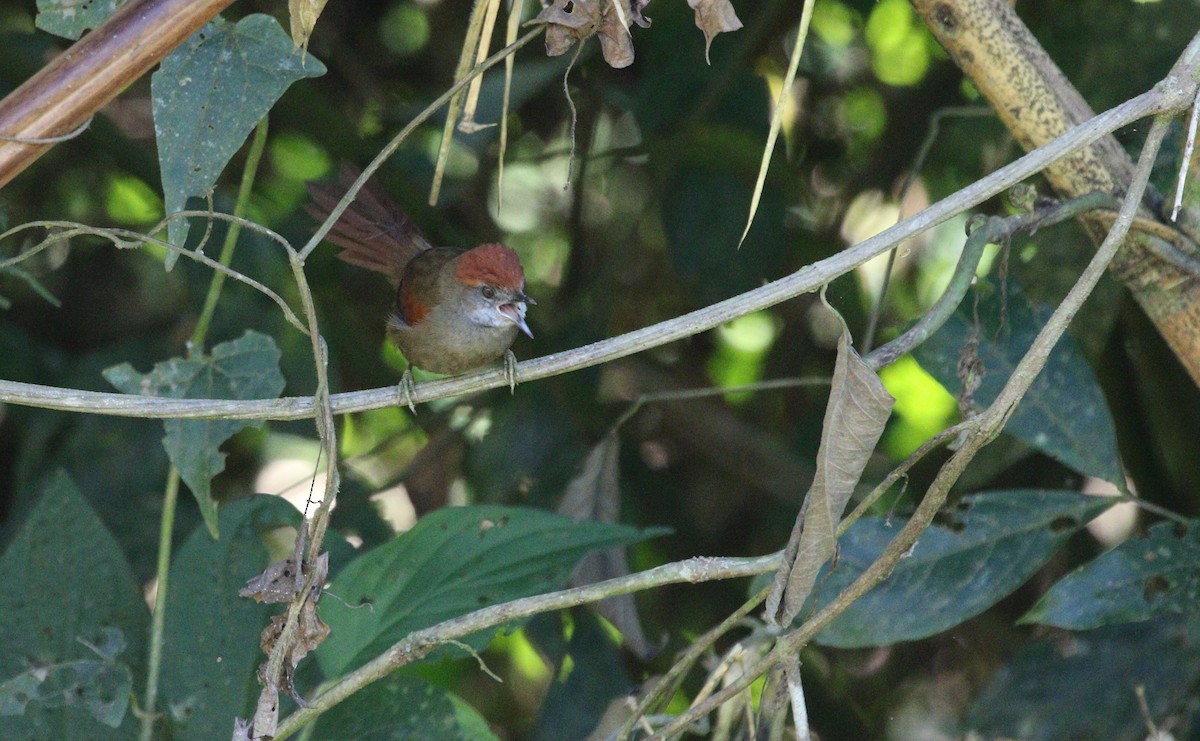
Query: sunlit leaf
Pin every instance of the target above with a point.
(70, 607)
(455, 560)
(303, 15)
(246, 368)
(209, 94)
(1139, 579)
(978, 553)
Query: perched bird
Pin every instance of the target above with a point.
(455, 310)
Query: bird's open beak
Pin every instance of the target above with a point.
(515, 313)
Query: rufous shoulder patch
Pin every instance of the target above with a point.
(412, 309)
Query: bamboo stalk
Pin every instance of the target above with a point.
(64, 94)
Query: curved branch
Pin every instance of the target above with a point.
(418, 644)
(1162, 97)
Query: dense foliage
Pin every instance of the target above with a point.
(626, 201)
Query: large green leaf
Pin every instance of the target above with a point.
(1137, 580)
(1082, 686)
(455, 560)
(211, 648)
(978, 553)
(209, 94)
(1063, 414)
(402, 707)
(73, 622)
(70, 18)
(245, 368)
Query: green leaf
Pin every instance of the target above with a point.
(454, 560)
(402, 707)
(1139, 579)
(1081, 686)
(70, 18)
(70, 605)
(980, 551)
(245, 368)
(209, 94)
(211, 645)
(1063, 414)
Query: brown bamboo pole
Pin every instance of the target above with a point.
(1034, 99)
(79, 82)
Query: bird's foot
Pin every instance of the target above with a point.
(510, 371)
(406, 389)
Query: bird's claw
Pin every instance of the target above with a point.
(510, 371)
(406, 389)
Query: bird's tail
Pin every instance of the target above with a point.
(373, 232)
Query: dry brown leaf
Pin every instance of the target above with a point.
(595, 494)
(303, 15)
(714, 17)
(572, 21)
(858, 409)
(283, 580)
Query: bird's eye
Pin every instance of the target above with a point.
(488, 292)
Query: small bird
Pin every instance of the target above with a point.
(455, 310)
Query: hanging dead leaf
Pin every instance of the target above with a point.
(569, 22)
(595, 494)
(303, 15)
(858, 409)
(283, 580)
(714, 17)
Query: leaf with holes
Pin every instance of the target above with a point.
(71, 605)
(211, 637)
(455, 560)
(71, 18)
(1063, 414)
(1137, 580)
(209, 94)
(976, 554)
(1082, 686)
(245, 368)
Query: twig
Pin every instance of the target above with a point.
(399, 139)
(994, 230)
(669, 682)
(985, 428)
(418, 644)
(51, 139)
(914, 170)
(805, 280)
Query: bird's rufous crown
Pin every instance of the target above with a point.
(491, 264)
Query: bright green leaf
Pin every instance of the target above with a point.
(211, 644)
(402, 707)
(209, 94)
(1063, 414)
(70, 605)
(246, 368)
(454, 560)
(1137, 580)
(978, 553)
(70, 18)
